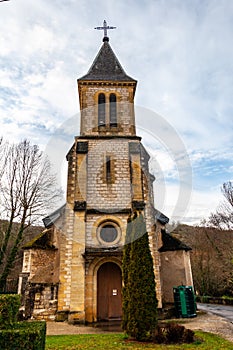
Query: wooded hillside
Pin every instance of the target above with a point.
(211, 258)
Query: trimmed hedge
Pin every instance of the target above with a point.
(24, 336)
(9, 308)
(18, 335)
(214, 300)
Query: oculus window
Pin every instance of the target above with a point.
(108, 233)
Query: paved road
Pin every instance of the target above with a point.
(225, 311)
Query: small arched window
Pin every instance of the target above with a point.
(101, 110)
(113, 110)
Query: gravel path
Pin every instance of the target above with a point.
(62, 328)
(208, 322)
(204, 321)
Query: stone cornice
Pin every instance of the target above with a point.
(83, 137)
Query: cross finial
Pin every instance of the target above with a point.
(105, 28)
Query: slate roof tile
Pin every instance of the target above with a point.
(106, 67)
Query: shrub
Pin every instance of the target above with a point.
(24, 336)
(160, 336)
(172, 333)
(9, 308)
(205, 299)
(188, 336)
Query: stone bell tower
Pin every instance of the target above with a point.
(108, 178)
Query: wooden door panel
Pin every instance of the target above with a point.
(109, 285)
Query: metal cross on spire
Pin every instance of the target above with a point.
(105, 28)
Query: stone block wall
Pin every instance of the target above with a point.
(71, 292)
(45, 302)
(108, 194)
(175, 271)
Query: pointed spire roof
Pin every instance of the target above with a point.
(106, 66)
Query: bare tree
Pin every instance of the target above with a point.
(28, 191)
(223, 217)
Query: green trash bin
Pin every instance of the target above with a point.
(184, 300)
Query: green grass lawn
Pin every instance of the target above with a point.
(205, 341)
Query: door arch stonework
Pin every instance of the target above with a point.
(91, 285)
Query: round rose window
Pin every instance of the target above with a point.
(108, 233)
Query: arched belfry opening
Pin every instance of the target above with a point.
(109, 288)
(113, 110)
(101, 110)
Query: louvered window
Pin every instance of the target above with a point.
(113, 110)
(101, 110)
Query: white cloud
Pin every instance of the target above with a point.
(181, 53)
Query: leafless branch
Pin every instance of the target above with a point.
(223, 217)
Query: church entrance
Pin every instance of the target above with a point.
(109, 285)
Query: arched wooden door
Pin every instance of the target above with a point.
(109, 285)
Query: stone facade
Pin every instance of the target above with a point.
(108, 179)
(94, 202)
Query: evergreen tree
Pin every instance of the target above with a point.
(125, 267)
(139, 295)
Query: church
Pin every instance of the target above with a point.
(72, 270)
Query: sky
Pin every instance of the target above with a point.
(179, 51)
